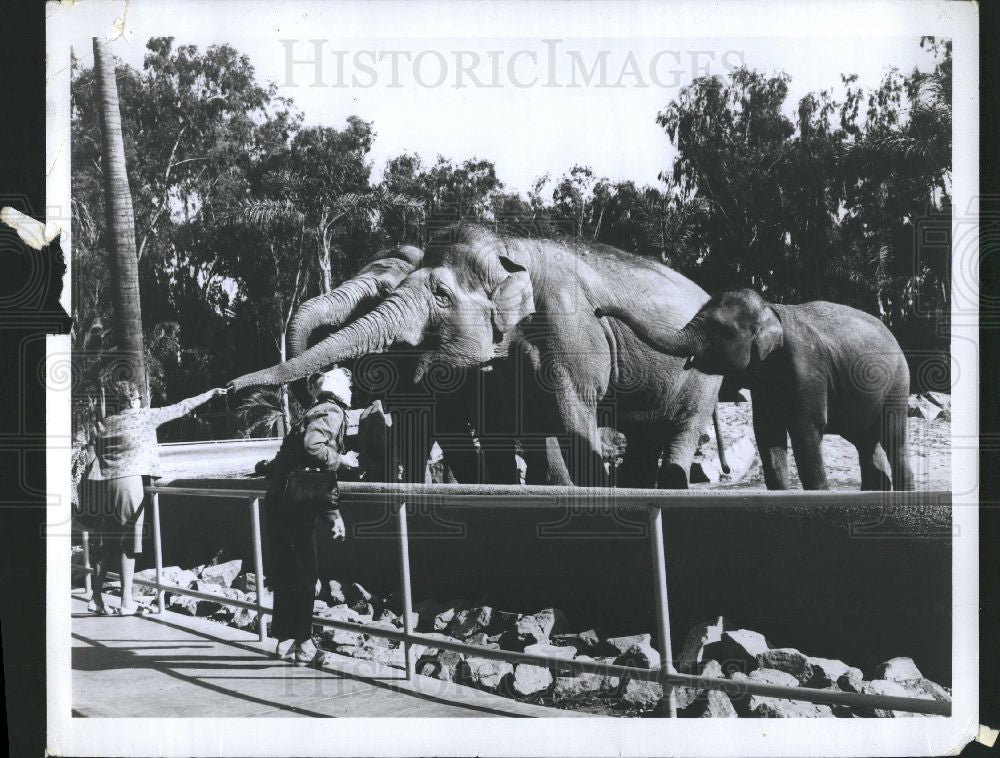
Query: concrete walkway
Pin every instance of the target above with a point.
(171, 665)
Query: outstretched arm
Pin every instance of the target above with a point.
(184, 407)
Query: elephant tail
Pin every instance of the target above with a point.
(719, 440)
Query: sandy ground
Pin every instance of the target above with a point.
(929, 451)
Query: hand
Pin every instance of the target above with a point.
(349, 459)
(338, 531)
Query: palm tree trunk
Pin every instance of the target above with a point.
(120, 224)
(286, 412)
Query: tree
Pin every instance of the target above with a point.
(120, 224)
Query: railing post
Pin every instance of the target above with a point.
(258, 566)
(88, 580)
(662, 608)
(158, 553)
(404, 580)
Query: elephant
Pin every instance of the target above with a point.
(521, 312)
(812, 369)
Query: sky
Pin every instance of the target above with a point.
(532, 103)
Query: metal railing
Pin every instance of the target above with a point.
(398, 496)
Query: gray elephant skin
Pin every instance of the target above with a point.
(812, 369)
(507, 326)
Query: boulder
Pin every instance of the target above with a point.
(698, 636)
(588, 642)
(222, 573)
(543, 624)
(897, 670)
(485, 673)
(424, 614)
(443, 619)
(174, 575)
(773, 676)
(388, 617)
(788, 660)
(851, 680)
(642, 694)
(246, 582)
(333, 593)
(640, 655)
(439, 664)
(334, 637)
(357, 594)
(514, 641)
(244, 618)
(553, 651)
(826, 672)
(142, 590)
(621, 644)
(503, 621)
(776, 708)
(192, 606)
(341, 613)
(531, 680)
(920, 406)
(364, 609)
(738, 650)
(466, 623)
(926, 688)
(482, 640)
(319, 606)
(885, 687)
(583, 685)
(710, 704)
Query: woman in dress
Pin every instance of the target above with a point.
(126, 460)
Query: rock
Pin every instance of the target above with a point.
(319, 606)
(393, 602)
(543, 624)
(775, 708)
(341, 637)
(443, 619)
(341, 613)
(192, 606)
(424, 614)
(710, 704)
(531, 680)
(333, 593)
(469, 622)
(176, 576)
(553, 651)
(826, 672)
(363, 609)
(485, 673)
(926, 688)
(642, 694)
(697, 638)
(738, 650)
(741, 457)
(246, 582)
(919, 406)
(388, 617)
(705, 469)
(222, 573)
(788, 660)
(621, 644)
(503, 621)
(885, 687)
(588, 642)
(773, 676)
(851, 680)
(940, 399)
(440, 664)
(357, 594)
(583, 685)
(514, 641)
(640, 655)
(142, 590)
(244, 618)
(482, 640)
(897, 670)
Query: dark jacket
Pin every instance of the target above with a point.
(316, 441)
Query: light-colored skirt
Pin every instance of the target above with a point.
(116, 509)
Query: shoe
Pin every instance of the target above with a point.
(305, 653)
(285, 650)
(100, 610)
(133, 610)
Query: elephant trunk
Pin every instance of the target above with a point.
(400, 316)
(678, 342)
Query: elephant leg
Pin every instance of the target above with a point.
(643, 445)
(584, 461)
(498, 460)
(772, 444)
(807, 444)
(676, 468)
(895, 443)
(546, 464)
(874, 475)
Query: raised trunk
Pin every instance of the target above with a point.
(400, 314)
(120, 224)
(678, 342)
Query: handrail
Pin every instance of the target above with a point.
(399, 495)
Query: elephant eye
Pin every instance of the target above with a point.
(443, 297)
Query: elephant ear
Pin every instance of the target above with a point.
(514, 298)
(768, 337)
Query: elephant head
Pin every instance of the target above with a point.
(733, 332)
(458, 304)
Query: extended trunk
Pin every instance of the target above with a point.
(400, 314)
(665, 339)
(120, 224)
